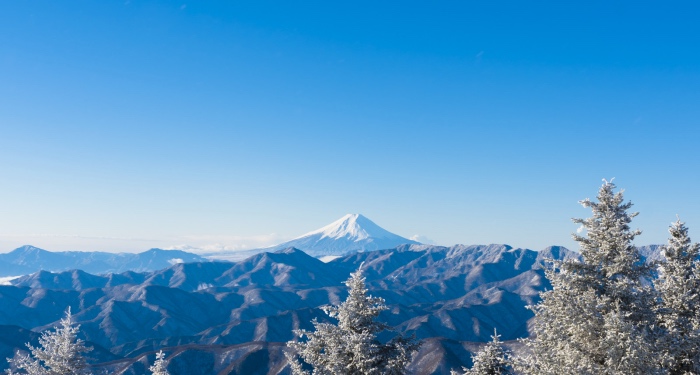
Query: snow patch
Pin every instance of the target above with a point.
(7, 279)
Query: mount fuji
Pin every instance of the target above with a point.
(352, 232)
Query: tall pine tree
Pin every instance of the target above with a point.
(351, 347)
(679, 311)
(597, 318)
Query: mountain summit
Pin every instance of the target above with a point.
(352, 232)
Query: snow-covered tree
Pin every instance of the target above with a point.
(60, 352)
(679, 311)
(598, 316)
(492, 359)
(351, 347)
(159, 366)
(612, 265)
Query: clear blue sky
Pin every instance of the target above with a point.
(129, 125)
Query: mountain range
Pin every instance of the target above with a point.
(29, 259)
(227, 316)
(213, 317)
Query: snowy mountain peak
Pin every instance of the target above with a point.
(352, 232)
(350, 227)
(27, 249)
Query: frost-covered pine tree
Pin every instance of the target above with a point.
(492, 359)
(598, 316)
(159, 367)
(679, 311)
(59, 353)
(351, 347)
(612, 265)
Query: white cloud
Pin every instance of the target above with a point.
(422, 239)
(6, 280)
(222, 243)
(212, 248)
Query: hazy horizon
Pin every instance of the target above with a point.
(199, 245)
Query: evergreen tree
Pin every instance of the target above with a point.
(598, 316)
(351, 347)
(490, 360)
(611, 265)
(159, 367)
(679, 311)
(60, 352)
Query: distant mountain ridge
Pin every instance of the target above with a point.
(29, 259)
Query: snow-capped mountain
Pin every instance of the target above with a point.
(352, 232)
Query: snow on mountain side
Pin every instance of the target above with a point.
(352, 226)
(352, 232)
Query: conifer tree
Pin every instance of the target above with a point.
(598, 316)
(492, 359)
(59, 353)
(351, 347)
(159, 367)
(679, 311)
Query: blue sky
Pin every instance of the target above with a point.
(138, 124)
